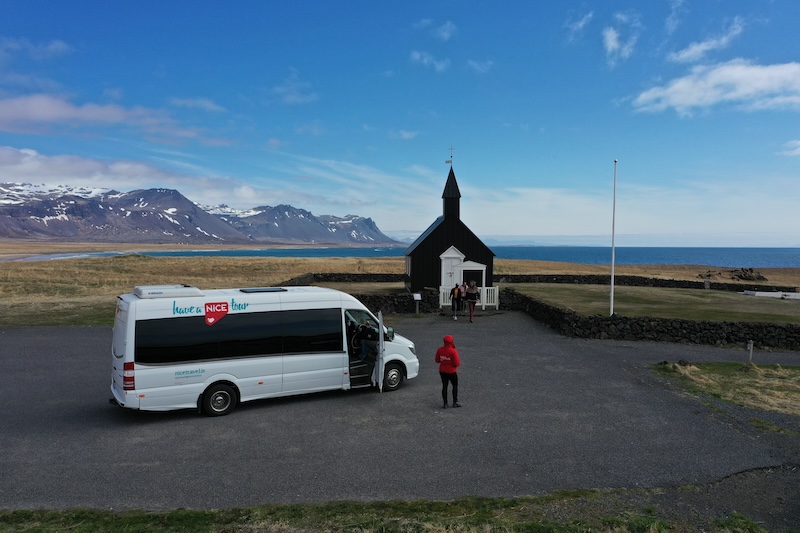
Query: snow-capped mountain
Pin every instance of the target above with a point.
(165, 216)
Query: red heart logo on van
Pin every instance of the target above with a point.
(215, 311)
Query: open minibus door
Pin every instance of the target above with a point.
(380, 362)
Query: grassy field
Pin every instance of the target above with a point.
(689, 304)
(84, 291)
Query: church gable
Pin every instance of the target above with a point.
(447, 235)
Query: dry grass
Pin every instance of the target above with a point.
(84, 291)
(771, 388)
(117, 274)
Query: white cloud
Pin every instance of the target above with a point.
(481, 67)
(43, 111)
(575, 27)
(315, 129)
(24, 165)
(738, 82)
(10, 48)
(113, 93)
(422, 24)
(404, 135)
(674, 18)
(30, 166)
(791, 148)
(27, 51)
(427, 60)
(696, 214)
(44, 108)
(204, 104)
(29, 82)
(696, 51)
(446, 31)
(294, 91)
(619, 41)
(274, 143)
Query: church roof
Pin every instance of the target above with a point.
(451, 187)
(425, 234)
(450, 220)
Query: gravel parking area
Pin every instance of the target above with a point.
(540, 412)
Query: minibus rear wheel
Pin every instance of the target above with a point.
(392, 377)
(219, 399)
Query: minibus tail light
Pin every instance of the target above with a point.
(128, 381)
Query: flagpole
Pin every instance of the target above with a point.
(613, 223)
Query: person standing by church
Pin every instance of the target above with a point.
(473, 295)
(455, 300)
(449, 361)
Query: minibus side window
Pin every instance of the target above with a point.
(312, 330)
(174, 340)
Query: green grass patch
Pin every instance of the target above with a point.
(769, 426)
(740, 523)
(464, 515)
(657, 302)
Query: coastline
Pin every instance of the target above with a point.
(14, 250)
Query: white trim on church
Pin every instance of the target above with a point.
(452, 274)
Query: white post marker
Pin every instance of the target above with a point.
(613, 223)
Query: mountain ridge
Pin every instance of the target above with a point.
(163, 216)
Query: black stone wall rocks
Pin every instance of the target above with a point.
(637, 281)
(571, 324)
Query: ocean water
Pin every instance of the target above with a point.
(593, 255)
(720, 257)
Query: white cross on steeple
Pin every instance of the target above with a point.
(450, 161)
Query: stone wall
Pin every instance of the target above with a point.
(571, 324)
(638, 281)
(588, 279)
(340, 277)
(402, 302)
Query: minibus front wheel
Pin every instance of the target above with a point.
(393, 377)
(219, 399)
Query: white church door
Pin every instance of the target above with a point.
(451, 261)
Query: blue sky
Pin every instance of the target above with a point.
(351, 108)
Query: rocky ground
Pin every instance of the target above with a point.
(767, 498)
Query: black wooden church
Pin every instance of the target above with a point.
(448, 252)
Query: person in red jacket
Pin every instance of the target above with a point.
(448, 360)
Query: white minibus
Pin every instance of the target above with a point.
(178, 347)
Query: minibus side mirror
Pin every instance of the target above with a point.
(389, 333)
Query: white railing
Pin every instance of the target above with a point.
(490, 297)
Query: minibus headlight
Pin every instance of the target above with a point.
(413, 349)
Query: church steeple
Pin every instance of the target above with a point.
(451, 197)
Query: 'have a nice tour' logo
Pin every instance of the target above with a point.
(215, 311)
